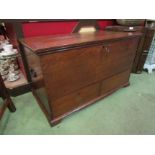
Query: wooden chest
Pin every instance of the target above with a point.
(70, 72)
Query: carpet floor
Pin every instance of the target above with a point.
(130, 110)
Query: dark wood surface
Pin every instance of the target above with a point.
(67, 81)
(149, 33)
(7, 102)
(143, 46)
(58, 42)
(88, 64)
(125, 28)
(139, 52)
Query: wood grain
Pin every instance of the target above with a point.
(59, 42)
(65, 81)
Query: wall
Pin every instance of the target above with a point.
(55, 27)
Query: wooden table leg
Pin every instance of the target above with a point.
(7, 102)
(11, 106)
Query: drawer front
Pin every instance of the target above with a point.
(72, 101)
(115, 82)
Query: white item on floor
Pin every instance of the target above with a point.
(149, 67)
(150, 60)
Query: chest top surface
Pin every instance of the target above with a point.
(57, 42)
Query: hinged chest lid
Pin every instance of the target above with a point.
(48, 44)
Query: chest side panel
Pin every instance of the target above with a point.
(37, 78)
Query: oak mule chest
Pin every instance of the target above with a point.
(70, 72)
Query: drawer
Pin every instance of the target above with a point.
(115, 82)
(73, 101)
